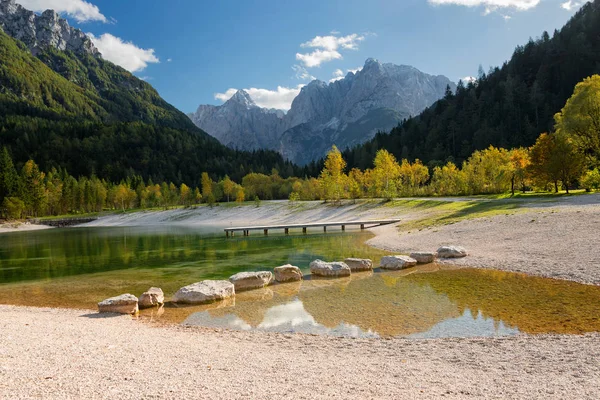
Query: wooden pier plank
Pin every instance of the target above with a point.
(265, 228)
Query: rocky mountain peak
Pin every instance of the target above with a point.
(242, 98)
(39, 32)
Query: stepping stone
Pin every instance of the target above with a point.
(123, 304)
(152, 298)
(395, 263)
(424, 257)
(452, 252)
(359, 264)
(204, 292)
(287, 273)
(331, 269)
(251, 280)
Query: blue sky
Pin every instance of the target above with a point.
(194, 51)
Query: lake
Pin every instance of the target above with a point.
(77, 267)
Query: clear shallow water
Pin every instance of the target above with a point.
(79, 267)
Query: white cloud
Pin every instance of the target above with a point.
(80, 10)
(125, 54)
(354, 71)
(337, 73)
(327, 48)
(491, 5)
(468, 79)
(571, 5)
(302, 73)
(169, 59)
(280, 99)
(225, 96)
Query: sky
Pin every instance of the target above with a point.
(201, 51)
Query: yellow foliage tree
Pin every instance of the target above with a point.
(332, 178)
(385, 175)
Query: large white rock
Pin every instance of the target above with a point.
(251, 280)
(330, 269)
(152, 298)
(424, 257)
(204, 292)
(123, 304)
(359, 264)
(288, 273)
(397, 262)
(451, 252)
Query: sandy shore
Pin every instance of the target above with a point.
(48, 353)
(67, 354)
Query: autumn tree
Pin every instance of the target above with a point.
(519, 159)
(385, 175)
(207, 188)
(228, 187)
(333, 179)
(580, 117)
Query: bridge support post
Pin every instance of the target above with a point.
(266, 232)
(324, 229)
(304, 230)
(362, 227)
(287, 231)
(226, 233)
(343, 228)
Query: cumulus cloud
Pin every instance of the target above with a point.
(491, 5)
(302, 74)
(80, 10)
(571, 5)
(280, 99)
(327, 48)
(339, 74)
(125, 54)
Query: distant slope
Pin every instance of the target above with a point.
(509, 107)
(75, 110)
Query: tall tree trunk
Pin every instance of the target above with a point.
(556, 186)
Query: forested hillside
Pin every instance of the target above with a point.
(91, 117)
(508, 107)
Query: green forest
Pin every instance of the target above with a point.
(507, 107)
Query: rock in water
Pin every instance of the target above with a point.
(123, 304)
(251, 280)
(397, 262)
(424, 257)
(204, 292)
(451, 252)
(331, 269)
(288, 273)
(152, 298)
(359, 264)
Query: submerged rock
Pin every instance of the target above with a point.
(251, 280)
(359, 264)
(424, 257)
(330, 269)
(397, 262)
(123, 304)
(452, 252)
(287, 273)
(152, 298)
(204, 292)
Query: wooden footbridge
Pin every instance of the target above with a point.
(286, 228)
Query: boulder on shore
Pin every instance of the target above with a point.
(424, 257)
(359, 264)
(397, 262)
(204, 292)
(329, 269)
(251, 280)
(152, 298)
(288, 273)
(452, 252)
(123, 304)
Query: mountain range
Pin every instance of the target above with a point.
(345, 112)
